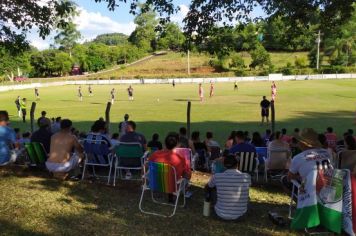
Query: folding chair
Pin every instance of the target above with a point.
(347, 160)
(36, 153)
(162, 178)
(129, 156)
(296, 185)
(97, 153)
(276, 166)
(248, 163)
(262, 154)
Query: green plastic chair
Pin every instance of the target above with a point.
(36, 153)
(31, 153)
(129, 156)
(40, 152)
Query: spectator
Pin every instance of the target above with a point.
(201, 150)
(61, 160)
(285, 137)
(209, 142)
(267, 136)
(241, 145)
(232, 189)
(98, 130)
(7, 140)
(247, 136)
(331, 138)
(123, 124)
(230, 140)
(56, 126)
(43, 134)
(350, 143)
(168, 156)
(184, 142)
(131, 136)
(155, 144)
(43, 115)
(18, 135)
(311, 157)
(277, 143)
(257, 140)
(115, 139)
(296, 132)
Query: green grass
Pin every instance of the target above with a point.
(34, 204)
(317, 104)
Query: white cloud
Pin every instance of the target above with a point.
(90, 25)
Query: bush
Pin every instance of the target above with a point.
(260, 57)
(236, 61)
(300, 62)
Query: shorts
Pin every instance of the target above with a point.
(265, 112)
(63, 167)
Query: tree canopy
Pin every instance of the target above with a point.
(203, 15)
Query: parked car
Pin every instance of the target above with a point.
(20, 78)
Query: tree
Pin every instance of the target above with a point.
(144, 36)
(19, 17)
(171, 37)
(67, 37)
(113, 39)
(260, 57)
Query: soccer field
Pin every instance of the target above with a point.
(162, 108)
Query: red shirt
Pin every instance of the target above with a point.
(175, 160)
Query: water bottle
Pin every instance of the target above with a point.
(206, 207)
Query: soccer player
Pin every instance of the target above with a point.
(130, 91)
(18, 107)
(173, 84)
(112, 93)
(90, 90)
(80, 95)
(274, 91)
(265, 104)
(201, 92)
(235, 86)
(211, 90)
(37, 94)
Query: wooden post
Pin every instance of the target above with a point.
(188, 119)
(32, 115)
(107, 116)
(273, 116)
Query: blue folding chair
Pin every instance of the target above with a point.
(97, 153)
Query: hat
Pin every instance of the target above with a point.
(309, 137)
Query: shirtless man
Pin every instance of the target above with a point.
(61, 160)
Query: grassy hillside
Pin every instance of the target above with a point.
(173, 65)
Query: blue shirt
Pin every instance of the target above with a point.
(7, 137)
(242, 147)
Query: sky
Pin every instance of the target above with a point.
(95, 19)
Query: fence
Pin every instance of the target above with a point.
(274, 77)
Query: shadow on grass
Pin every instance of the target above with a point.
(10, 228)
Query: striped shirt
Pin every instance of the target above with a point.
(232, 193)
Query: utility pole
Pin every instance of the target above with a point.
(318, 50)
(188, 62)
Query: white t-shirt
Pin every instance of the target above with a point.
(309, 160)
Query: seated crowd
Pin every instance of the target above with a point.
(228, 187)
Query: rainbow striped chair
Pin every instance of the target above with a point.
(162, 178)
